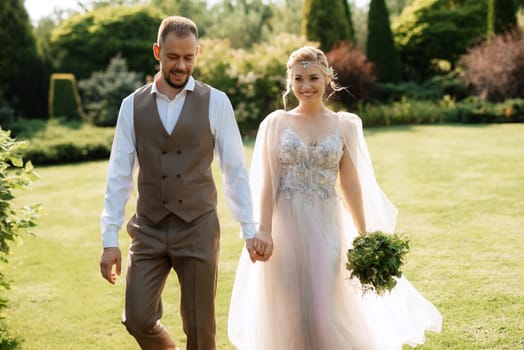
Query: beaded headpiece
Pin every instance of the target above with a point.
(304, 64)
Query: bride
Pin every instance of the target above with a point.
(302, 297)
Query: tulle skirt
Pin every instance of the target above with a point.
(303, 298)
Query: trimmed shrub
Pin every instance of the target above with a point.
(402, 112)
(64, 100)
(494, 69)
(354, 72)
(60, 141)
(103, 92)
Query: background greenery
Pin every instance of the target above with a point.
(458, 190)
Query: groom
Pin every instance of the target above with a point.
(171, 129)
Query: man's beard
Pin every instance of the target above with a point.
(174, 85)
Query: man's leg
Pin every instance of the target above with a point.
(147, 272)
(195, 263)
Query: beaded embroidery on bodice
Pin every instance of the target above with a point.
(310, 170)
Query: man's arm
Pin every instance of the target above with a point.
(118, 190)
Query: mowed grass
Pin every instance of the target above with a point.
(460, 195)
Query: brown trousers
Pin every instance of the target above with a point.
(191, 249)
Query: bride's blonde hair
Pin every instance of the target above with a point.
(309, 55)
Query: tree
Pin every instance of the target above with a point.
(21, 75)
(243, 23)
(431, 31)
(85, 43)
(380, 47)
(194, 9)
(349, 21)
(502, 16)
(325, 21)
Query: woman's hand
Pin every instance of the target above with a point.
(263, 245)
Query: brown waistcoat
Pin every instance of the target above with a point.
(174, 170)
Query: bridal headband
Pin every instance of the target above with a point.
(304, 64)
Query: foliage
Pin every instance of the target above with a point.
(86, 43)
(380, 47)
(103, 92)
(376, 259)
(502, 16)
(429, 31)
(22, 83)
(64, 100)
(14, 221)
(325, 21)
(494, 69)
(353, 71)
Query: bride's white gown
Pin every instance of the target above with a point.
(302, 298)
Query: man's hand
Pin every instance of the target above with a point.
(251, 250)
(111, 257)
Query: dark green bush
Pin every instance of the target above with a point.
(64, 100)
(435, 89)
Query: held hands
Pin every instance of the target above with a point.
(260, 248)
(111, 257)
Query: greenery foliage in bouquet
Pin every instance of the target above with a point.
(376, 259)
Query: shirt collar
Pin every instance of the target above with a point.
(190, 86)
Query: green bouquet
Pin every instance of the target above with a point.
(376, 258)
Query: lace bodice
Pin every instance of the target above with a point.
(311, 170)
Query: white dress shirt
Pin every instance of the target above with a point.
(228, 150)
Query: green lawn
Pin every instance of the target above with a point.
(460, 195)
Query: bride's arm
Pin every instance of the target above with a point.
(266, 208)
(265, 175)
(350, 186)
